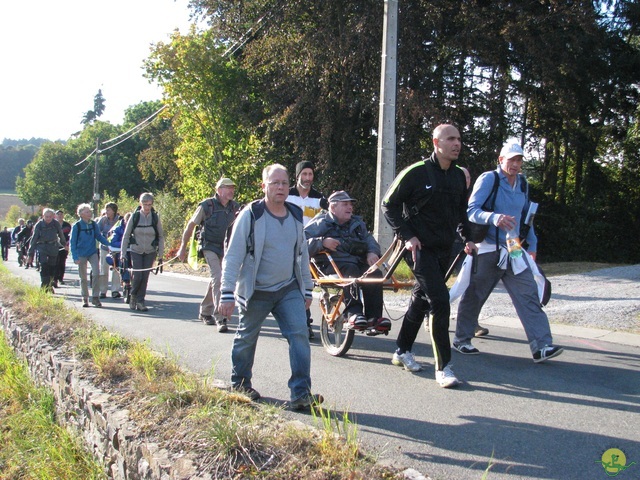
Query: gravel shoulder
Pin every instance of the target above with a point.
(606, 299)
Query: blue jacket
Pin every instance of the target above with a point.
(83, 239)
(509, 201)
(116, 233)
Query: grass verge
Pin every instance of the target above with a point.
(229, 436)
(34, 446)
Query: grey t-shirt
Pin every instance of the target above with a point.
(276, 264)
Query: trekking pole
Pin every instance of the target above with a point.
(453, 265)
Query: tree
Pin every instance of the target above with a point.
(208, 96)
(98, 109)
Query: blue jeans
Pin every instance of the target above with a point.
(289, 312)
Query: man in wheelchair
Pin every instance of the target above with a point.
(353, 250)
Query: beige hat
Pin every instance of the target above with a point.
(225, 182)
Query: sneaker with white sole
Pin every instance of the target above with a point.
(446, 378)
(466, 348)
(406, 360)
(547, 352)
(358, 321)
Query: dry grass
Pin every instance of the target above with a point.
(229, 436)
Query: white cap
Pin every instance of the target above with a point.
(510, 150)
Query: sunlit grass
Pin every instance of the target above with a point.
(230, 436)
(34, 446)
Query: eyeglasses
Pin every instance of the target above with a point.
(279, 184)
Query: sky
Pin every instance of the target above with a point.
(56, 55)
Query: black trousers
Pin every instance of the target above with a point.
(48, 262)
(142, 262)
(61, 265)
(430, 295)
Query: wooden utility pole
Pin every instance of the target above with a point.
(386, 164)
(96, 181)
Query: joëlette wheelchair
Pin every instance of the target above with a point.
(335, 332)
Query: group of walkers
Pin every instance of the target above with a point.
(264, 269)
(51, 238)
(259, 255)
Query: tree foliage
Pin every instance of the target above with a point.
(561, 77)
(91, 116)
(207, 94)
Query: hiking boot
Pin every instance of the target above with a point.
(207, 319)
(481, 331)
(547, 352)
(358, 321)
(446, 378)
(116, 295)
(141, 307)
(103, 295)
(132, 302)
(95, 301)
(252, 393)
(306, 401)
(407, 361)
(466, 348)
(222, 325)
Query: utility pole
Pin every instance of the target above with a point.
(96, 181)
(386, 163)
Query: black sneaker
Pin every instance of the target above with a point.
(547, 352)
(358, 321)
(103, 295)
(252, 393)
(466, 348)
(481, 331)
(207, 319)
(306, 401)
(116, 295)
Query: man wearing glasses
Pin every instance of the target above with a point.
(266, 270)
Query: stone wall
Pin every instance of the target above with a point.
(107, 431)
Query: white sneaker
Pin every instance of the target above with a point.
(407, 361)
(446, 378)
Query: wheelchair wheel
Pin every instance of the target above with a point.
(337, 339)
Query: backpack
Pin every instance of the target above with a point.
(479, 230)
(135, 219)
(90, 228)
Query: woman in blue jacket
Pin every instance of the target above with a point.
(84, 235)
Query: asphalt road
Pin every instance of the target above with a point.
(536, 421)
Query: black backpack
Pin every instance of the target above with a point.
(135, 219)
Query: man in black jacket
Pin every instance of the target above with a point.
(424, 206)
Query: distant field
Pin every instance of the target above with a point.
(7, 200)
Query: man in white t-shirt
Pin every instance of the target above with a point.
(310, 201)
